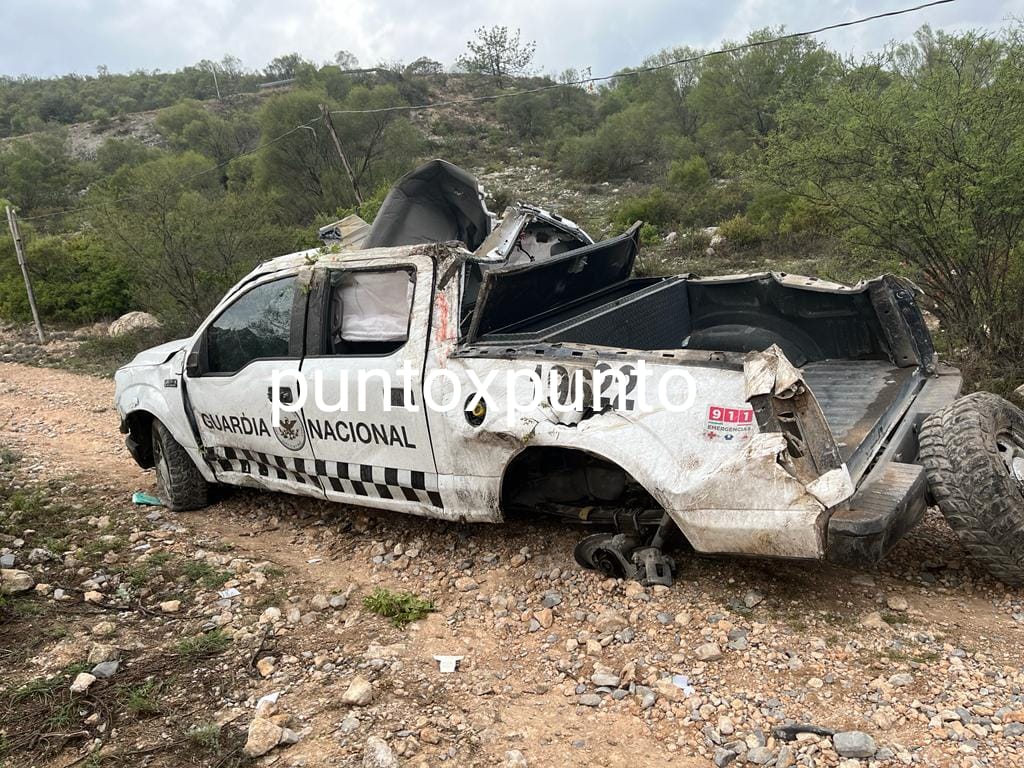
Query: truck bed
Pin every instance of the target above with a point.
(860, 400)
(833, 335)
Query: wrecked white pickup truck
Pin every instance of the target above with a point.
(777, 416)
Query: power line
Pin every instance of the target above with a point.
(647, 69)
(527, 91)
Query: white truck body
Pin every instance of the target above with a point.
(750, 467)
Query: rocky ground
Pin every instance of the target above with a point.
(131, 635)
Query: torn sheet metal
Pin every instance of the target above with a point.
(753, 505)
(770, 373)
(784, 404)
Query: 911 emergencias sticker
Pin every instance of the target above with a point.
(730, 423)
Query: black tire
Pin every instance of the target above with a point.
(973, 454)
(180, 484)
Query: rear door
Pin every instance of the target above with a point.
(229, 382)
(368, 322)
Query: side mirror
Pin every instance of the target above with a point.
(192, 365)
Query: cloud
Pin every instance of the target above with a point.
(47, 37)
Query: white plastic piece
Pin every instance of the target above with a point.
(448, 663)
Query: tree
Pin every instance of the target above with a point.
(424, 65)
(37, 172)
(304, 169)
(737, 95)
(924, 162)
(186, 238)
(346, 59)
(285, 67)
(189, 125)
(497, 53)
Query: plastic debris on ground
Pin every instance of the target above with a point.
(448, 663)
(682, 682)
(146, 499)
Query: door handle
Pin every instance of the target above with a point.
(284, 395)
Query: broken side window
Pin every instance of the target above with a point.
(256, 326)
(369, 311)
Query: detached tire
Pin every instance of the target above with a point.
(181, 485)
(973, 454)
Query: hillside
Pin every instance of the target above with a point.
(783, 155)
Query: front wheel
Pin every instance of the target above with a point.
(973, 454)
(180, 484)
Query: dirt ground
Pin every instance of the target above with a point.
(560, 667)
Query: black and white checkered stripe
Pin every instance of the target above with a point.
(262, 464)
(342, 477)
(380, 482)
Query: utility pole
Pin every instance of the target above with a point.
(337, 145)
(213, 68)
(12, 222)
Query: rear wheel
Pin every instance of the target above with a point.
(180, 484)
(973, 453)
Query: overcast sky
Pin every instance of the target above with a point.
(48, 37)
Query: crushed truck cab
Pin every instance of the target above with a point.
(765, 414)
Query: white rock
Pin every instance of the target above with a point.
(170, 606)
(270, 615)
(359, 693)
(92, 596)
(13, 581)
(82, 682)
(377, 754)
(319, 603)
(753, 598)
(515, 759)
(133, 322)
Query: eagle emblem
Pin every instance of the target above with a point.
(290, 433)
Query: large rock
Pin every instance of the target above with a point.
(264, 735)
(100, 652)
(708, 652)
(609, 622)
(359, 693)
(132, 323)
(853, 744)
(13, 581)
(377, 754)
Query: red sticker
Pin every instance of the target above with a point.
(729, 423)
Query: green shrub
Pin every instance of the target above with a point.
(75, 281)
(649, 234)
(658, 207)
(689, 175)
(742, 232)
(401, 607)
